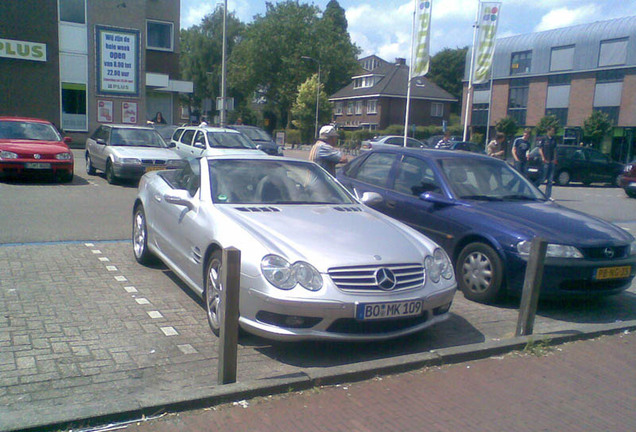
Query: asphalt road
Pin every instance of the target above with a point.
(89, 209)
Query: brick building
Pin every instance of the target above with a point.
(376, 98)
(567, 72)
(78, 63)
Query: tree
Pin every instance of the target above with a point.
(201, 54)
(507, 126)
(268, 59)
(546, 123)
(304, 109)
(596, 127)
(447, 71)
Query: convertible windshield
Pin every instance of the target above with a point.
(255, 181)
(229, 140)
(487, 180)
(137, 138)
(28, 131)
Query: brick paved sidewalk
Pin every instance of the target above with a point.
(580, 386)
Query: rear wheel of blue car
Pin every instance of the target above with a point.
(479, 272)
(213, 289)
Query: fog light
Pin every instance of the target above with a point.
(440, 310)
(294, 321)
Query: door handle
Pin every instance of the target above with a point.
(391, 204)
(157, 197)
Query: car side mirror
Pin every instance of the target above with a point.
(199, 144)
(179, 197)
(101, 141)
(68, 139)
(436, 198)
(171, 145)
(371, 198)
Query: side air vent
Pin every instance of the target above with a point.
(348, 209)
(258, 209)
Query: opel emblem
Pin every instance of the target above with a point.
(608, 252)
(37, 156)
(385, 279)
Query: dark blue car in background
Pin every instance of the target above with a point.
(485, 214)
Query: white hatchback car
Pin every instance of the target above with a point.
(200, 141)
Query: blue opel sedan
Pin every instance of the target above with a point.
(485, 215)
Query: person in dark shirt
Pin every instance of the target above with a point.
(520, 149)
(547, 150)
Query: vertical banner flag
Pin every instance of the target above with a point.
(422, 35)
(488, 19)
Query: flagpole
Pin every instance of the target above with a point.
(469, 91)
(408, 78)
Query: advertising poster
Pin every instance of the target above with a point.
(117, 61)
(104, 111)
(129, 112)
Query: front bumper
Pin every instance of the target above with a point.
(563, 277)
(324, 319)
(129, 171)
(21, 167)
(627, 182)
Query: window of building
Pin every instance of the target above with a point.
(74, 107)
(560, 113)
(437, 109)
(159, 35)
(518, 100)
(561, 79)
(561, 58)
(612, 113)
(612, 52)
(349, 108)
(608, 94)
(359, 107)
(338, 108)
(363, 82)
(73, 11)
(610, 76)
(520, 62)
(479, 115)
(372, 106)
(558, 102)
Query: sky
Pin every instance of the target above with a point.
(383, 27)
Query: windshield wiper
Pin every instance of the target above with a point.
(481, 197)
(519, 197)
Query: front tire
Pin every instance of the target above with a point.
(140, 237)
(90, 169)
(563, 178)
(479, 273)
(213, 291)
(110, 174)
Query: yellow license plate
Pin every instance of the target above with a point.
(612, 272)
(155, 168)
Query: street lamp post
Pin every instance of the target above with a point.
(317, 91)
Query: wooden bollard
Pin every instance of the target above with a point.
(531, 287)
(228, 336)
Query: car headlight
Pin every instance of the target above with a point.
(63, 156)
(554, 250)
(632, 248)
(8, 155)
(438, 265)
(283, 275)
(130, 161)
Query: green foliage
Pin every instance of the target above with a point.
(545, 123)
(292, 136)
(268, 58)
(477, 138)
(447, 71)
(201, 55)
(507, 126)
(304, 109)
(538, 348)
(596, 127)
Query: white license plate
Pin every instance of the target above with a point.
(533, 170)
(155, 168)
(37, 165)
(374, 311)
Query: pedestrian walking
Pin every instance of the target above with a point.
(520, 149)
(547, 150)
(323, 151)
(495, 148)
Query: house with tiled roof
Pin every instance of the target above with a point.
(376, 98)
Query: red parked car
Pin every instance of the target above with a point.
(627, 180)
(29, 146)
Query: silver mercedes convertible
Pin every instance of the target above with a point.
(316, 263)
